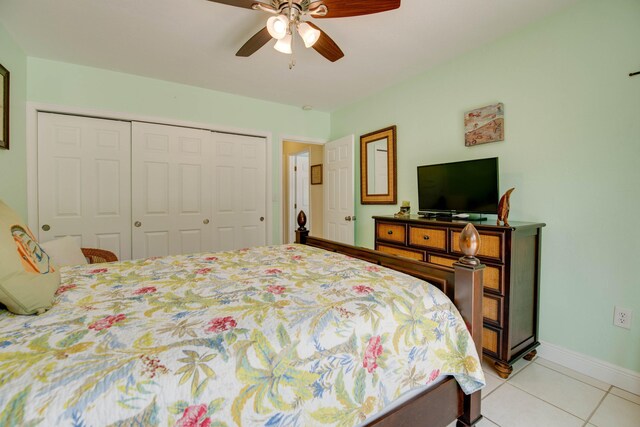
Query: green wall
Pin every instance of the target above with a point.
(78, 86)
(572, 122)
(13, 177)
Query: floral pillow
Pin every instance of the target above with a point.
(28, 279)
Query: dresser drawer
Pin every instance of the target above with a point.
(492, 309)
(493, 279)
(491, 244)
(433, 238)
(491, 341)
(407, 253)
(391, 232)
(441, 260)
(492, 275)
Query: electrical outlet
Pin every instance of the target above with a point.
(622, 317)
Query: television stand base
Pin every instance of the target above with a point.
(473, 217)
(426, 214)
(452, 216)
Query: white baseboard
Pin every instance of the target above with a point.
(617, 376)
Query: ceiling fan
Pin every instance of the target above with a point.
(290, 16)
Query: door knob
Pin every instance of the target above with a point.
(261, 219)
(46, 227)
(205, 222)
(137, 224)
(347, 218)
(353, 218)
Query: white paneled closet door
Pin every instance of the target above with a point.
(84, 181)
(302, 202)
(239, 191)
(171, 190)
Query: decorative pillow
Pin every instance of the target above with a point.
(64, 251)
(28, 280)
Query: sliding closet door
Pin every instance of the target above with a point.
(84, 181)
(171, 190)
(239, 191)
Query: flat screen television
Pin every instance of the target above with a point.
(469, 187)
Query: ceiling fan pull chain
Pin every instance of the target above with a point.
(292, 63)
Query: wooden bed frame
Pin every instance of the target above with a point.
(444, 403)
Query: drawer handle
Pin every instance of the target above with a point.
(426, 237)
(390, 232)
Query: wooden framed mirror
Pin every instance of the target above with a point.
(378, 178)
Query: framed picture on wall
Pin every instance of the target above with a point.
(484, 125)
(4, 108)
(316, 174)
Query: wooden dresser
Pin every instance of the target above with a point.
(511, 277)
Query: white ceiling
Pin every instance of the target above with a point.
(194, 42)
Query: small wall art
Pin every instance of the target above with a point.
(316, 174)
(484, 125)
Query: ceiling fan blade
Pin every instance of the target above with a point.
(252, 45)
(326, 47)
(346, 8)
(239, 3)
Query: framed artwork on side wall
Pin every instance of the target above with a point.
(4, 108)
(316, 174)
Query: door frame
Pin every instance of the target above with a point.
(283, 139)
(33, 108)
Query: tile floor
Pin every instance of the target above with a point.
(544, 394)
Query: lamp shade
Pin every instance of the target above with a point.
(284, 44)
(277, 26)
(309, 34)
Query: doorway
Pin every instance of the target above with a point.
(299, 199)
(298, 193)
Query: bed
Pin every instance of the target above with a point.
(315, 333)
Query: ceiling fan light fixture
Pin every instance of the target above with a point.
(309, 34)
(278, 26)
(284, 45)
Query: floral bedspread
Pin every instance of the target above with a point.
(270, 336)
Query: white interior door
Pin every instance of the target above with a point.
(302, 187)
(171, 190)
(84, 181)
(298, 191)
(239, 191)
(338, 181)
